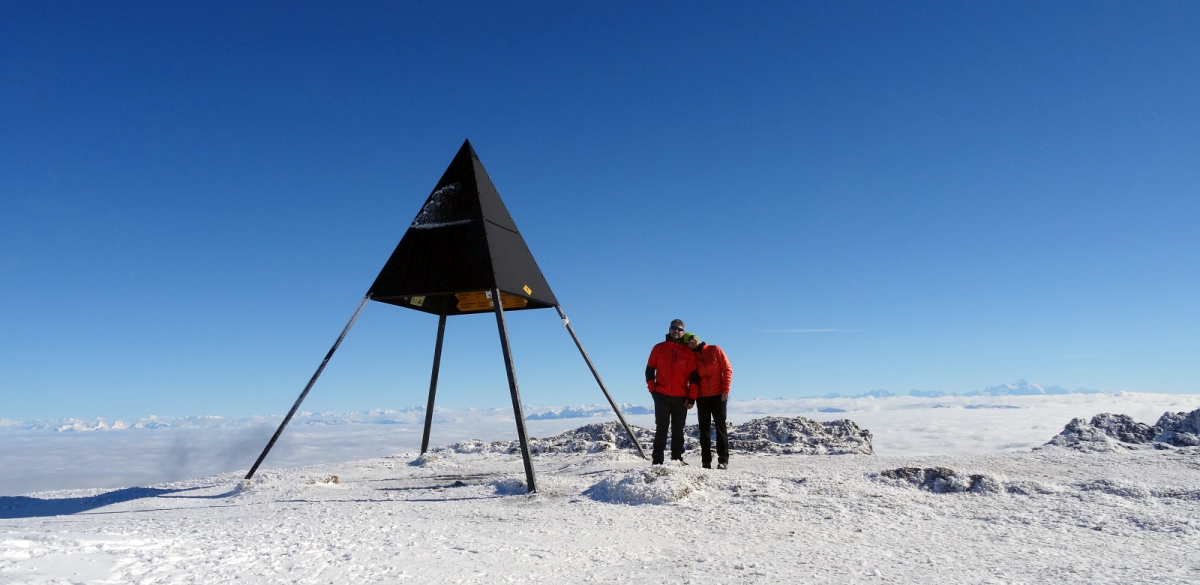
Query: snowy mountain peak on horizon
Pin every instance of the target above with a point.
(587, 412)
(1018, 388)
(1024, 388)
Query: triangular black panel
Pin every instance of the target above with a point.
(463, 240)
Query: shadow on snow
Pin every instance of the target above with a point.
(27, 507)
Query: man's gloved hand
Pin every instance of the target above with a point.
(690, 404)
(724, 398)
(650, 386)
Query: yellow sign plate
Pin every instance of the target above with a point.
(482, 301)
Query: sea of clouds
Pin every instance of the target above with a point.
(75, 453)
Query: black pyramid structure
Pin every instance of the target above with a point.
(462, 244)
(461, 252)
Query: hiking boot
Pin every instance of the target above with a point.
(722, 466)
(707, 465)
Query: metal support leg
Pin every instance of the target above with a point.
(512, 389)
(437, 362)
(620, 417)
(312, 381)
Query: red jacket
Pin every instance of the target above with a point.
(671, 370)
(715, 373)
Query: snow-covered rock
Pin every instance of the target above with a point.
(1105, 432)
(772, 434)
(592, 438)
(1181, 429)
(942, 480)
(800, 435)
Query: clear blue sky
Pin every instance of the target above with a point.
(845, 196)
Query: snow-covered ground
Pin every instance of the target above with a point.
(1050, 515)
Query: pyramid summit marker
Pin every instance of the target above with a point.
(461, 245)
(460, 253)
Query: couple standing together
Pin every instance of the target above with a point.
(684, 372)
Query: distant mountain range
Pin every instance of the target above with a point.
(588, 412)
(414, 415)
(1018, 388)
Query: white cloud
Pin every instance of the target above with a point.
(811, 331)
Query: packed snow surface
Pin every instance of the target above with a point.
(1054, 515)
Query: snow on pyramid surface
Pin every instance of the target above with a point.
(772, 434)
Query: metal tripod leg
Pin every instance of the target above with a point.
(437, 362)
(620, 417)
(512, 389)
(312, 381)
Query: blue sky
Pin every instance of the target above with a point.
(845, 196)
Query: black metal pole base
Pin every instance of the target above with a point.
(311, 381)
(512, 389)
(433, 379)
(611, 402)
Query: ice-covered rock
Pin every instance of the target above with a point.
(942, 480)
(1181, 429)
(1105, 432)
(592, 438)
(776, 434)
(772, 434)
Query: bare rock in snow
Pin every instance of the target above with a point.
(772, 434)
(942, 480)
(592, 438)
(803, 436)
(1123, 428)
(1105, 432)
(1181, 429)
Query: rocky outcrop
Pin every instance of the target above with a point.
(771, 434)
(1105, 432)
(1115, 432)
(776, 434)
(592, 438)
(1181, 429)
(941, 480)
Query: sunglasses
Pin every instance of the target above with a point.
(677, 329)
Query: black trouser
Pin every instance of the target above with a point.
(668, 411)
(712, 407)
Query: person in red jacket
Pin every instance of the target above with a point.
(672, 380)
(713, 395)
